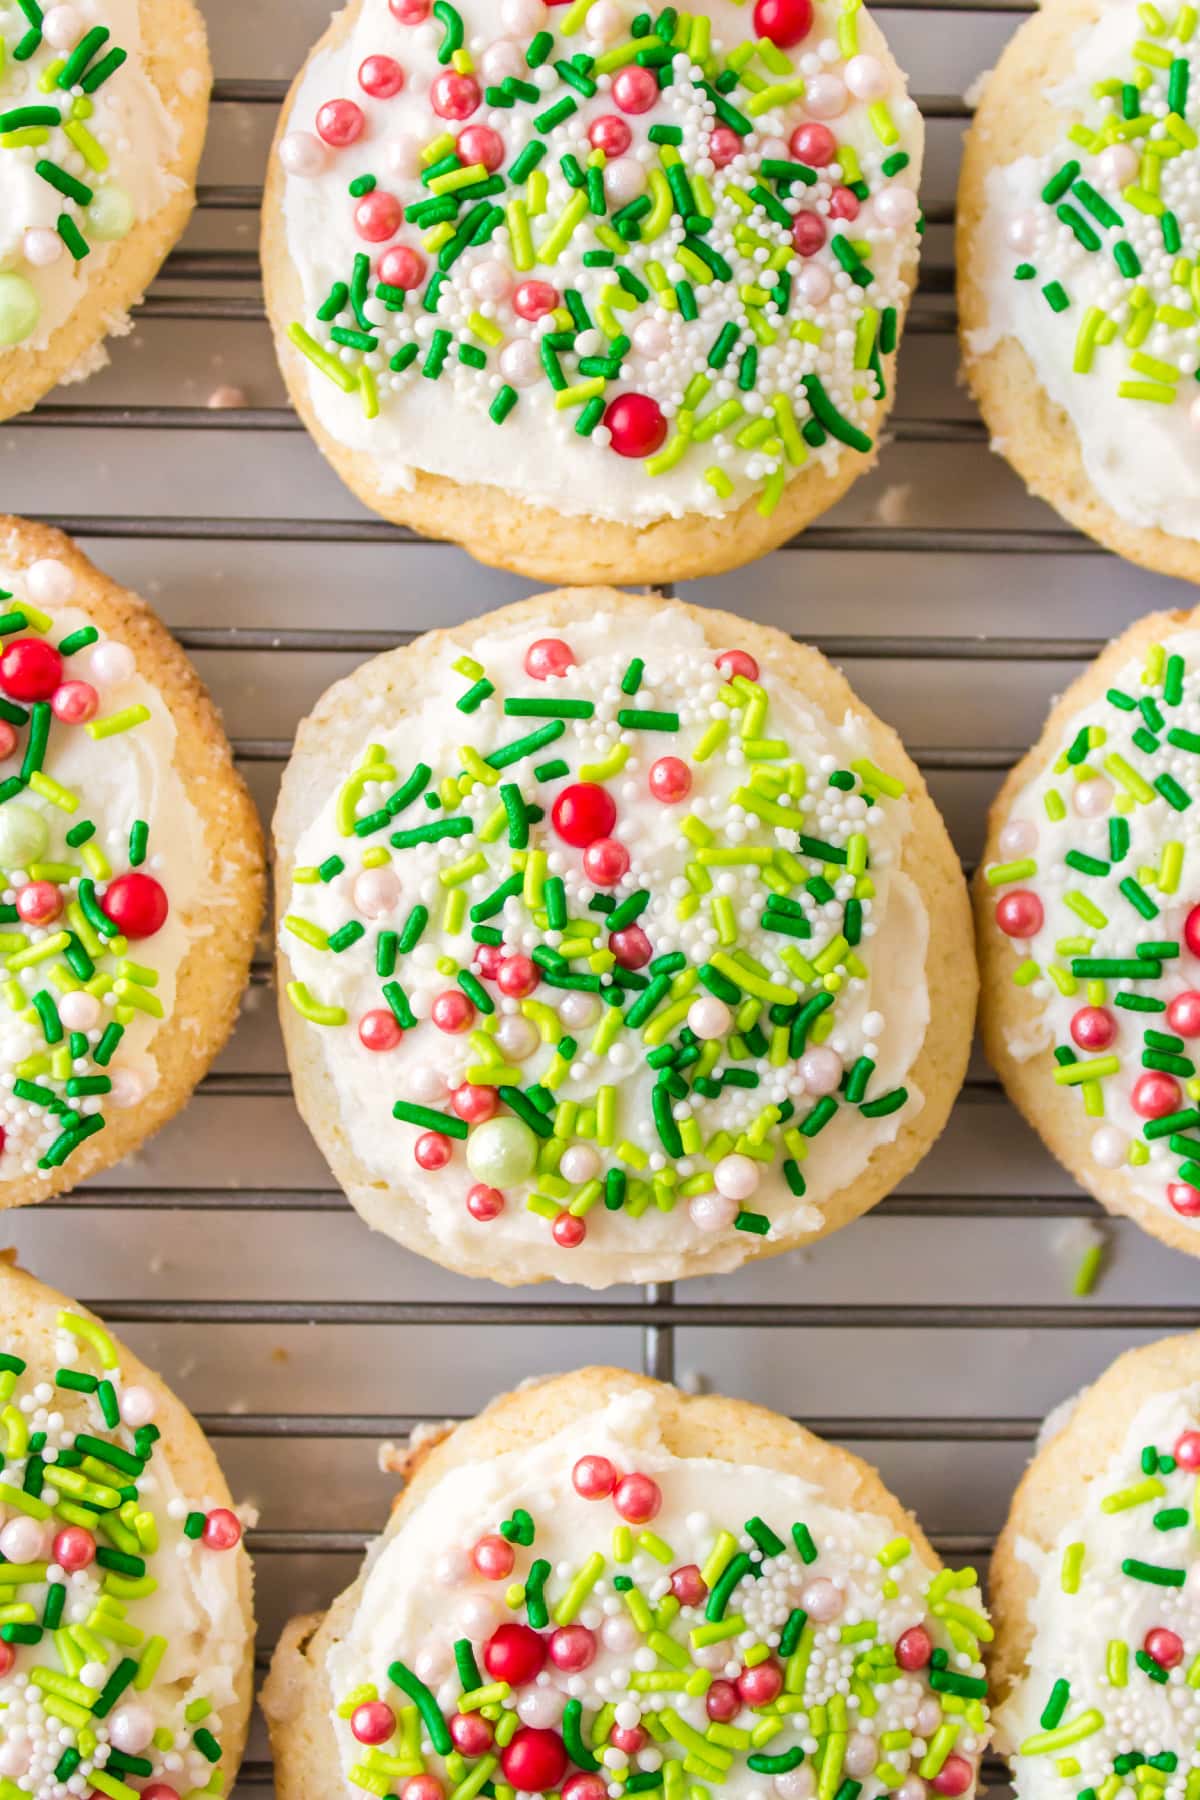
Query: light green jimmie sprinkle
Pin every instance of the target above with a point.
(579, 1589)
(1042, 1742)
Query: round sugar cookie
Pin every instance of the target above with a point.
(1089, 929)
(101, 126)
(1096, 1618)
(131, 870)
(599, 293)
(597, 965)
(1076, 207)
(601, 1580)
(127, 1648)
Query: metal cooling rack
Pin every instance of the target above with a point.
(935, 1333)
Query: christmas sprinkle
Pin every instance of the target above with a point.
(1095, 890)
(678, 239)
(608, 971)
(102, 1680)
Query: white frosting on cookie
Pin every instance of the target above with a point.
(1098, 1625)
(151, 1616)
(860, 1586)
(114, 144)
(407, 424)
(696, 910)
(114, 781)
(1108, 905)
(1140, 453)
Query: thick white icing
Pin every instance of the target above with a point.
(1140, 456)
(1072, 1631)
(421, 1593)
(1047, 1020)
(194, 1603)
(442, 427)
(138, 138)
(884, 1014)
(117, 780)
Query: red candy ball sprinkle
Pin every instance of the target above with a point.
(722, 1702)
(517, 977)
(153, 1790)
(471, 1734)
(567, 1231)
(1093, 1028)
(737, 662)
(1183, 1013)
(452, 1012)
(582, 813)
(534, 299)
(1191, 925)
(535, 1761)
(419, 1787)
(474, 1104)
(136, 904)
(914, 1648)
(373, 1722)
(688, 1585)
(8, 737)
(74, 1548)
(843, 204)
(455, 96)
(954, 1777)
(378, 1030)
(222, 1530)
(572, 1648)
(760, 1685)
(1187, 1450)
(1155, 1095)
(30, 669)
(1183, 1199)
(593, 1477)
(340, 122)
(480, 144)
(514, 1653)
(813, 144)
(548, 656)
(1164, 1647)
(723, 145)
(74, 703)
(808, 233)
(670, 780)
(634, 89)
(485, 1203)
(380, 77)
(637, 423)
(605, 861)
(631, 947)
(638, 1499)
(39, 902)
(785, 22)
(378, 216)
(433, 1150)
(610, 134)
(494, 1557)
(586, 1787)
(402, 267)
(1019, 913)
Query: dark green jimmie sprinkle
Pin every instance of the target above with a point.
(429, 1120)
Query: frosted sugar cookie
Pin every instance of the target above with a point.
(131, 870)
(1078, 280)
(103, 105)
(1089, 931)
(618, 942)
(600, 1587)
(598, 291)
(1097, 1622)
(126, 1651)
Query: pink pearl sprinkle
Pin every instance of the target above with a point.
(638, 1499)
(373, 1722)
(593, 1477)
(914, 1648)
(340, 122)
(380, 77)
(222, 1529)
(75, 702)
(433, 1150)
(688, 1585)
(572, 1648)
(494, 1557)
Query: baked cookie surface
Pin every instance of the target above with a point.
(1089, 932)
(581, 940)
(103, 105)
(663, 1586)
(126, 1652)
(598, 292)
(1094, 1606)
(132, 864)
(1077, 205)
